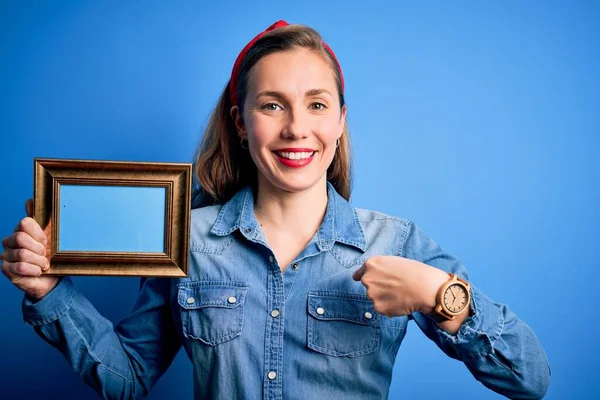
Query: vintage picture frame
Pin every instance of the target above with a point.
(176, 178)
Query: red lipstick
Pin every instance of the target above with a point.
(297, 163)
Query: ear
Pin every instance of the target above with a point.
(236, 115)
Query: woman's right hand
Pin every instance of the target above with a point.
(24, 258)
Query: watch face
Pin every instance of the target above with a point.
(455, 298)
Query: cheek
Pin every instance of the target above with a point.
(330, 128)
(260, 130)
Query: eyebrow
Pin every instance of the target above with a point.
(279, 95)
(316, 92)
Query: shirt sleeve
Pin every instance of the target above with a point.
(498, 348)
(118, 362)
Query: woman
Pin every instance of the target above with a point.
(292, 292)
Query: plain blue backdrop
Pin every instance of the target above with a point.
(478, 120)
(112, 218)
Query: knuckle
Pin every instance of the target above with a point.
(19, 267)
(22, 268)
(378, 261)
(366, 282)
(20, 239)
(23, 224)
(373, 260)
(21, 254)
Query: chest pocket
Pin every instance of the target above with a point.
(212, 311)
(342, 324)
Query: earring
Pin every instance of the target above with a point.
(337, 143)
(242, 144)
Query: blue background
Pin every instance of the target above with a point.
(112, 218)
(478, 120)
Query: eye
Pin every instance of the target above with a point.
(317, 106)
(271, 107)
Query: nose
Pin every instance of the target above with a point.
(297, 125)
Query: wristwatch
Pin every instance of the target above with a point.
(452, 298)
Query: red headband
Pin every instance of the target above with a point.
(233, 82)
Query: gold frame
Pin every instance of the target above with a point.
(49, 174)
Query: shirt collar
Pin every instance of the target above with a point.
(341, 223)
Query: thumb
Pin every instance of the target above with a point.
(358, 274)
(29, 207)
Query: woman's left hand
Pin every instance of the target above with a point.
(400, 286)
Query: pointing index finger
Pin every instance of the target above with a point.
(358, 274)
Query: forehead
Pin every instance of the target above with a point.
(290, 71)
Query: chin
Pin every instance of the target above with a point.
(296, 184)
(296, 187)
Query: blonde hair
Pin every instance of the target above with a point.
(222, 167)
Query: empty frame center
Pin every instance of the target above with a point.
(111, 218)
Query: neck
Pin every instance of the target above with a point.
(297, 212)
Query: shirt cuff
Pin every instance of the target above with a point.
(479, 331)
(52, 306)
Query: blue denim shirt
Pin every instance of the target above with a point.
(253, 332)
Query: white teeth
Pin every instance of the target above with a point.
(295, 155)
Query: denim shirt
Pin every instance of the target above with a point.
(254, 332)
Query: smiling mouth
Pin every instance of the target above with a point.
(295, 155)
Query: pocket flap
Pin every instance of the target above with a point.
(199, 294)
(340, 306)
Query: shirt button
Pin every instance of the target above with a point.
(272, 375)
(190, 300)
(368, 315)
(248, 230)
(271, 258)
(275, 313)
(320, 311)
(232, 300)
(295, 267)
